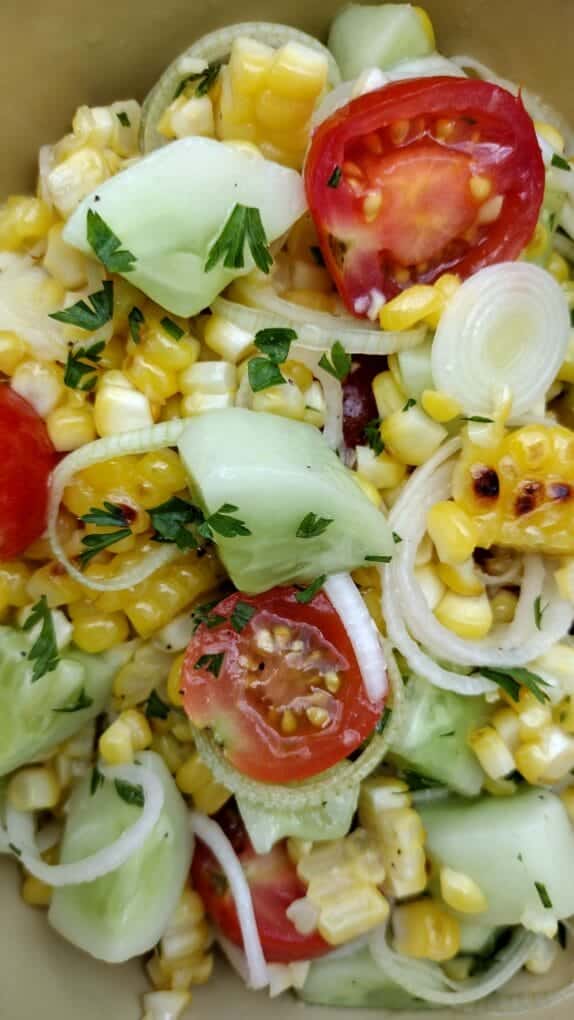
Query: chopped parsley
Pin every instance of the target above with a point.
(378, 559)
(396, 538)
(308, 594)
(340, 364)
(479, 418)
(96, 780)
(511, 679)
(244, 225)
(539, 611)
(131, 793)
(155, 708)
(172, 328)
(275, 342)
(384, 720)
(107, 246)
(202, 614)
(82, 701)
(410, 403)
(136, 320)
(372, 433)
(312, 525)
(242, 613)
(171, 520)
(560, 162)
(91, 314)
(205, 80)
(112, 516)
(223, 523)
(124, 119)
(211, 661)
(83, 362)
(15, 849)
(263, 374)
(44, 652)
(543, 894)
(335, 178)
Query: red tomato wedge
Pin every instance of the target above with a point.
(25, 465)
(274, 886)
(283, 693)
(419, 178)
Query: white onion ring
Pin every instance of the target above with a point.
(332, 391)
(345, 598)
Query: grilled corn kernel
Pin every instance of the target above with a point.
(64, 263)
(227, 339)
(156, 382)
(75, 177)
(95, 631)
(40, 383)
(492, 752)
(461, 892)
(461, 578)
(159, 475)
(532, 715)
(507, 725)
(35, 788)
(439, 406)
(411, 436)
(353, 912)
(286, 400)
(154, 602)
(36, 893)
(24, 220)
(389, 396)
(115, 745)
(13, 350)
(409, 307)
(567, 798)
(430, 584)
(378, 795)
(174, 681)
(548, 758)
(424, 930)
(119, 407)
(453, 533)
(55, 583)
(70, 427)
(469, 616)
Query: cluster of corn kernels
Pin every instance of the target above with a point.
(182, 958)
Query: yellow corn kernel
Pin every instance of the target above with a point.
(564, 713)
(165, 1004)
(453, 532)
(352, 912)
(567, 798)
(70, 427)
(156, 382)
(119, 407)
(24, 220)
(75, 177)
(445, 287)
(227, 339)
(461, 892)
(427, 26)
(115, 745)
(195, 779)
(493, 754)
(503, 606)
(14, 580)
(298, 373)
(370, 490)
(431, 585)
(35, 788)
(500, 787)
(469, 616)
(424, 930)
(559, 662)
(389, 395)
(13, 351)
(425, 552)
(95, 631)
(55, 583)
(66, 264)
(188, 116)
(439, 406)
(170, 749)
(200, 403)
(533, 716)
(310, 299)
(159, 475)
(461, 577)
(409, 307)
(411, 436)
(550, 134)
(558, 267)
(341, 862)
(537, 247)
(36, 893)
(548, 758)
(40, 383)
(297, 72)
(139, 728)
(174, 681)
(171, 355)
(249, 64)
(156, 601)
(217, 377)
(506, 724)
(378, 795)
(286, 400)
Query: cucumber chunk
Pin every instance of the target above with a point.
(518, 849)
(30, 723)
(124, 913)
(354, 980)
(378, 35)
(329, 820)
(433, 737)
(276, 472)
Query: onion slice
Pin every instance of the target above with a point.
(508, 321)
(345, 598)
(210, 833)
(21, 834)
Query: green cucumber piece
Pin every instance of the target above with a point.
(126, 912)
(170, 207)
(275, 472)
(30, 723)
(329, 820)
(378, 35)
(416, 369)
(432, 739)
(354, 979)
(518, 849)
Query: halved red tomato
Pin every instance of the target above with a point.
(278, 683)
(274, 886)
(359, 407)
(25, 465)
(421, 177)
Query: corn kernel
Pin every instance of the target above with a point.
(445, 287)
(286, 400)
(40, 383)
(548, 758)
(115, 745)
(411, 435)
(95, 631)
(66, 264)
(381, 794)
(351, 913)
(503, 606)
(154, 602)
(453, 532)
(532, 715)
(170, 749)
(174, 681)
(139, 728)
(425, 552)
(227, 339)
(188, 116)
(156, 382)
(461, 892)
(430, 584)
(55, 583)
(389, 395)
(409, 307)
(507, 725)
(36, 893)
(14, 581)
(159, 474)
(423, 930)
(119, 407)
(461, 578)
(439, 406)
(70, 427)
(550, 134)
(297, 72)
(35, 788)
(13, 350)
(468, 616)
(370, 490)
(24, 220)
(200, 403)
(559, 662)
(75, 177)
(493, 754)
(558, 267)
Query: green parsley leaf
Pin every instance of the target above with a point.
(91, 314)
(201, 614)
(511, 679)
(135, 320)
(171, 521)
(82, 701)
(317, 255)
(224, 523)
(44, 652)
(242, 613)
(123, 118)
(340, 364)
(132, 793)
(335, 178)
(107, 246)
(396, 538)
(155, 708)
(96, 780)
(83, 362)
(244, 225)
(275, 343)
(112, 516)
(97, 543)
(477, 418)
(312, 525)
(205, 80)
(543, 894)
(15, 849)
(308, 594)
(384, 720)
(263, 374)
(410, 403)
(378, 559)
(539, 611)
(212, 662)
(372, 433)
(172, 328)
(560, 162)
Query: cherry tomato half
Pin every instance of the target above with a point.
(283, 693)
(421, 177)
(25, 465)
(359, 407)
(274, 886)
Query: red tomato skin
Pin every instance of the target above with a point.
(359, 407)
(509, 153)
(252, 745)
(274, 886)
(27, 460)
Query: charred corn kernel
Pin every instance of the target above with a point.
(75, 177)
(548, 758)
(95, 631)
(505, 722)
(40, 383)
(559, 662)
(558, 267)
(533, 716)
(461, 892)
(70, 427)
(36, 893)
(174, 681)
(159, 474)
(227, 339)
(567, 798)
(550, 134)
(286, 400)
(156, 382)
(24, 220)
(351, 913)
(409, 307)
(424, 930)
(370, 490)
(35, 788)
(411, 436)
(115, 744)
(439, 406)
(13, 350)
(469, 616)
(427, 26)
(66, 264)
(53, 581)
(452, 531)
(389, 395)
(503, 606)
(139, 728)
(492, 752)
(430, 584)
(461, 577)
(14, 581)
(185, 117)
(119, 407)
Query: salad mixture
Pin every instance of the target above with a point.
(287, 556)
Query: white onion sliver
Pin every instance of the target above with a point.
(210, 833)
(362, 633)
(109, 858)
(332, 391)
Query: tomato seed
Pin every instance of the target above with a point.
(372, 205)
(332, 681)
(318, 717)
(399, 131)
(480, 187)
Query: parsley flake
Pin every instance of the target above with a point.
(91, 314)
(308, 594)
(378, 559)
(410, 403)
(511, 679)
(171, 520)
(396, 538)
(112, 516)
(96, 780)
(384, 720)
(82, 701)
(202, 614)
(372, 433)
(543, 894)
(223, 523)
(156, 708)
(205, 80)
(107, 246)
(244, 225)
(131, 793)
(242, 613)
(136, 320)
(340, 364)
(335, 178)
(312, 525)
(124, 119)
(263, 374)
(539, 611)
(275, 343)
(172, 328)
(15, 849)
(44, 652)
(560, 162)
(211, 661)
(479, 418)
(83, 362)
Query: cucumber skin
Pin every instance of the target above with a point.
(355, 981)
